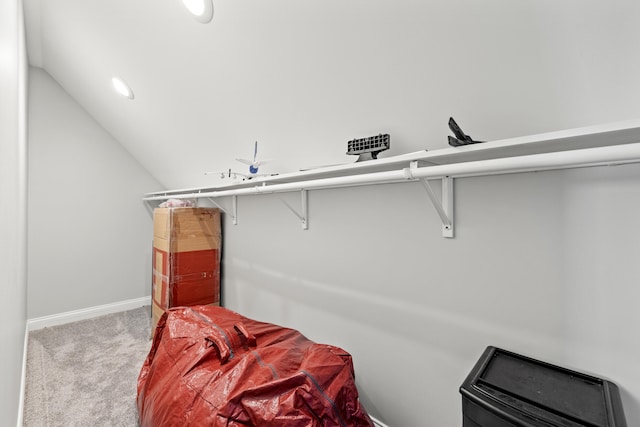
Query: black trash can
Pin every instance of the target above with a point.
(506, 389)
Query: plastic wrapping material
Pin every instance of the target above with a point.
(177, 203)
(209, 366)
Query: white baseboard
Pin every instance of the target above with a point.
(377, 422)
(23, 380)
(86, 313)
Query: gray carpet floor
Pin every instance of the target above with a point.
(85, 373)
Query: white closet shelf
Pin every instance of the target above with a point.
(607, 144)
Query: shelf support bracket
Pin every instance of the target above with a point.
(234, 208)
(304, 216)
(443, 207)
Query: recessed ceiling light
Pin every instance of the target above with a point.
(202, 10)
(121, 87)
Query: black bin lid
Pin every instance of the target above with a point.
(521, 388)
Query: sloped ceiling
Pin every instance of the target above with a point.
(303, 77)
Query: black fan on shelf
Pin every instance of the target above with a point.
(368, 148)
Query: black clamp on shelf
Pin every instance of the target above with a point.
(460, 137)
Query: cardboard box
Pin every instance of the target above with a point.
(186, 258)
(186, 229)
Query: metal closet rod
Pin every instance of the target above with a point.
(599, 156)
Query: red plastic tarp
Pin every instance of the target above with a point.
(209, 366)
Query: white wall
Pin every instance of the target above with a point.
(535, 254)
(543, 264)
(13, 170)
(90, 233)
(305, 77)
